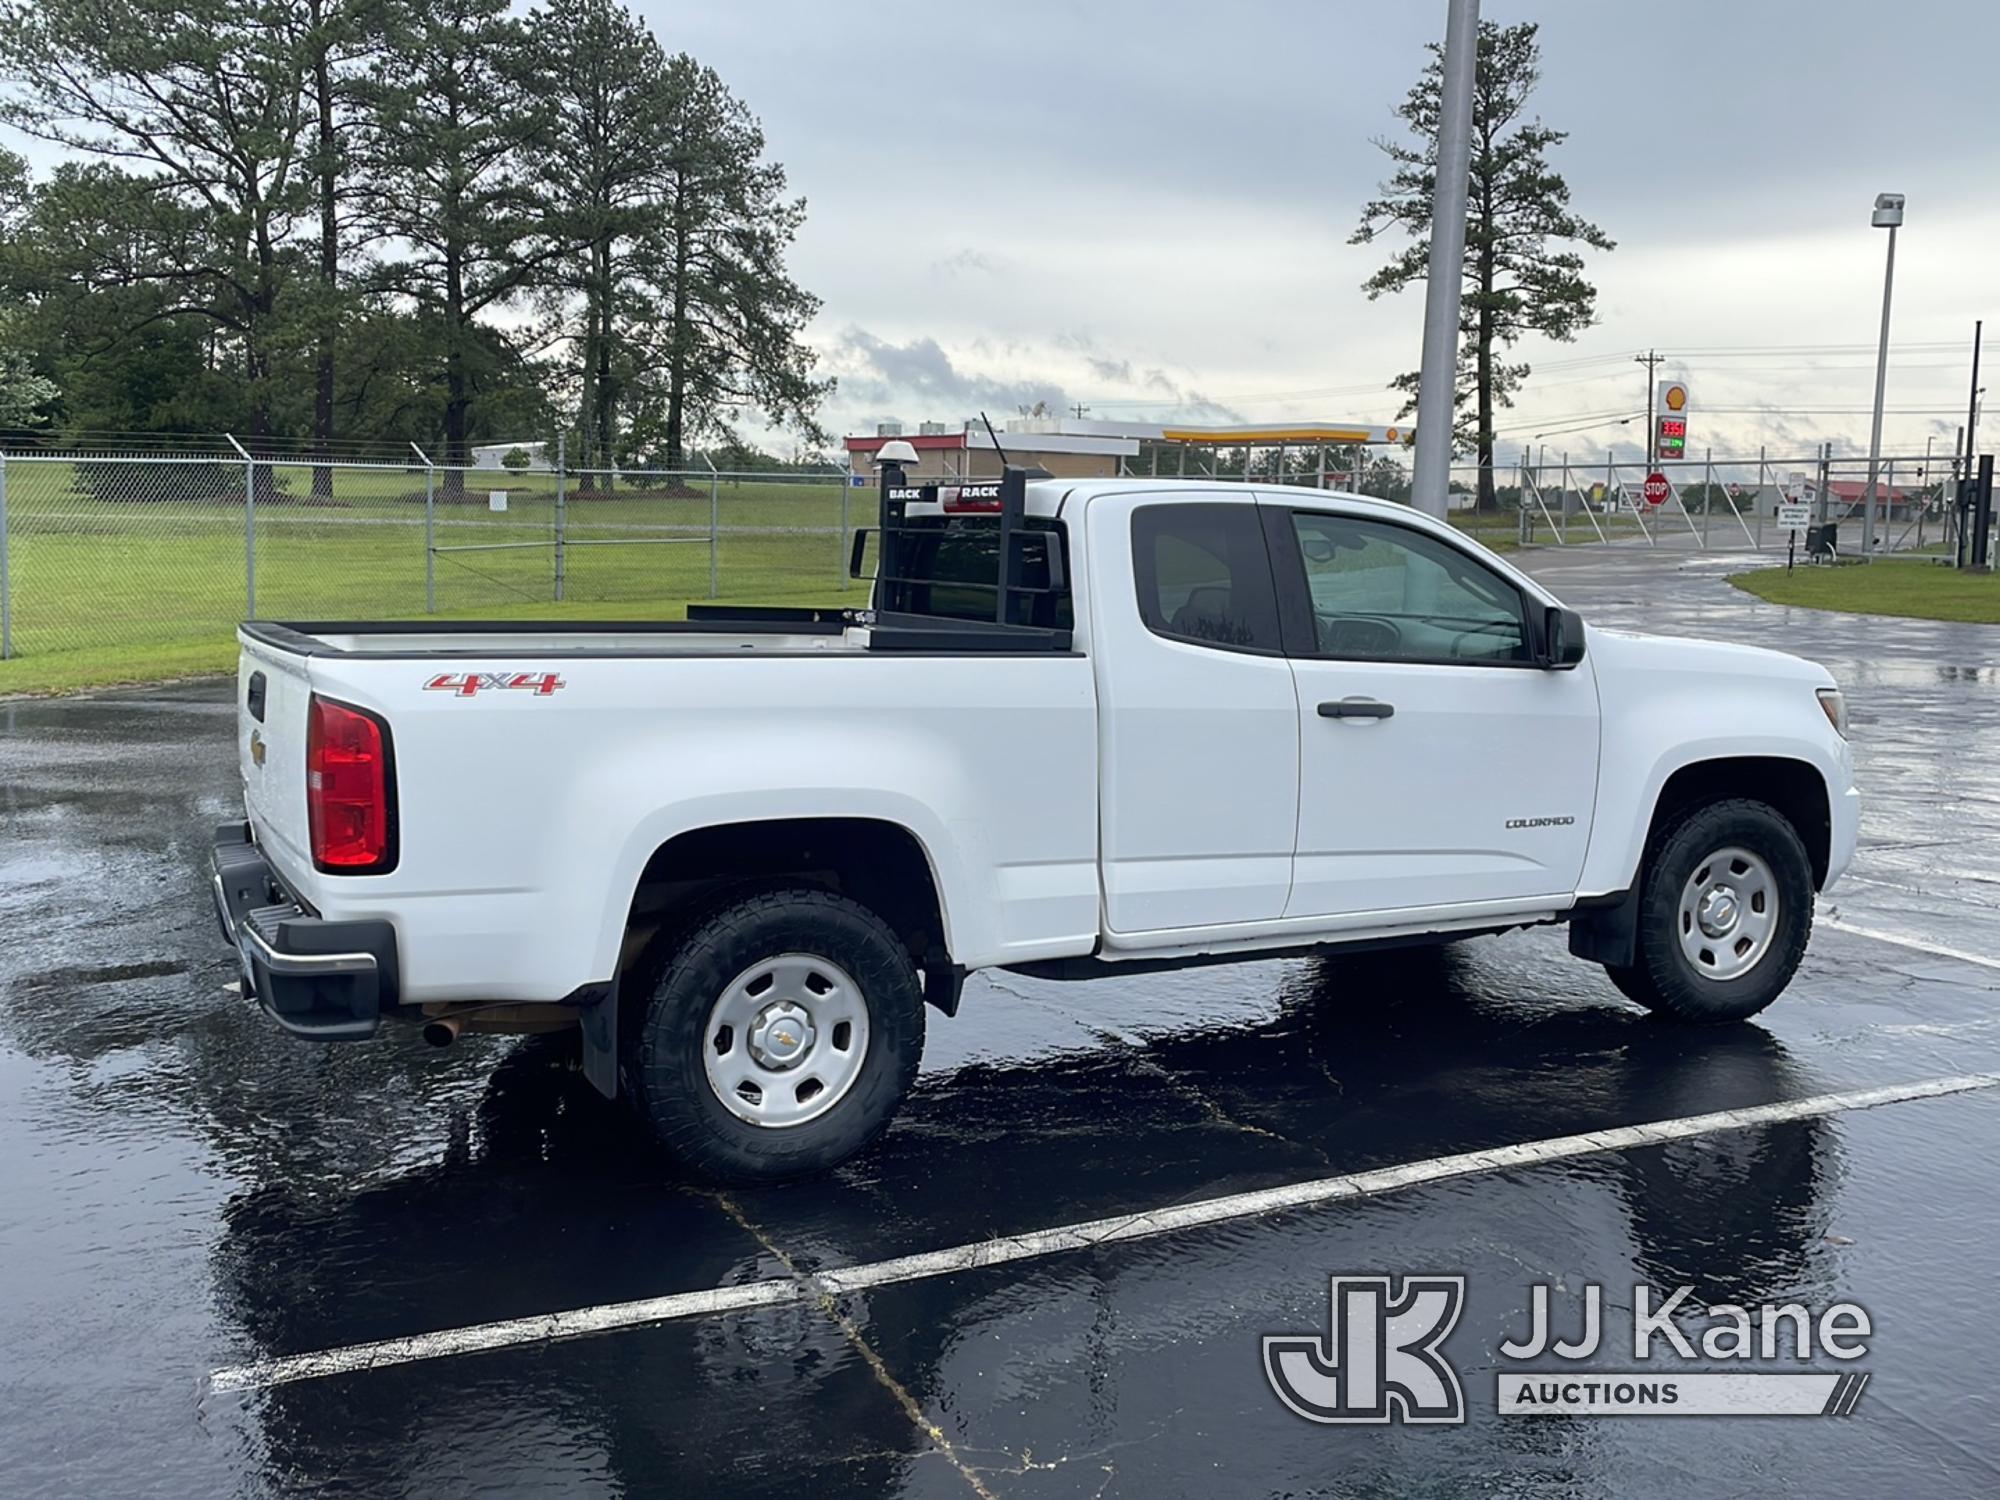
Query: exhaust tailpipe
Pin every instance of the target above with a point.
(443, 1031)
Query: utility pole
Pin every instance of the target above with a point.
(1972, 405)
(1924, 491)
(1962, 492)
(1952, 530)
(1437, 384)
(1888, 215)
(1972, 402)
(1652, 360)
(1079, 409)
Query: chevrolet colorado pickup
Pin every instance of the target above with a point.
(1086, 727)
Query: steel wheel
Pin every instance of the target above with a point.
(786, 1040)
(1729, 912)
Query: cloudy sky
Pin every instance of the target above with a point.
(1145, 206)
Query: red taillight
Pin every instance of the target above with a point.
(970, 499)
(347, 790)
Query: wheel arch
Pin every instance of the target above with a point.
(1796, 788)
(882, 864)
(1604, 929)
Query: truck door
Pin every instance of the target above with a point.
(1439, 764)
(1198, 742)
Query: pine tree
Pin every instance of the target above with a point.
(449, 122)
(338, 34)
(1518, 278)
(599, 77)
(734, 315)
(202, 104)
(673, 298)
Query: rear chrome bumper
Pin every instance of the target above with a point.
(325, 981)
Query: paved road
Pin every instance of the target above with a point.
(182, 1191)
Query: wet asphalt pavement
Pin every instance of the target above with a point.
(182, 1188)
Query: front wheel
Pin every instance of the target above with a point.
(1725, 908)
(781, 1037)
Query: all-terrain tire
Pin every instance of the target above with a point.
(688, 1114)
(1666, 977)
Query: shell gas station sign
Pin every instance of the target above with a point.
(1670, 425)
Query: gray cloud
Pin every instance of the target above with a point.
(919, 381)
(1103, 367)
(1192, 404)
(965, 262)
(1209, 241)
(920, 375)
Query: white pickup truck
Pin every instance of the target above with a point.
(1088, 727)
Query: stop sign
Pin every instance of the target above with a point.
(1655, 488)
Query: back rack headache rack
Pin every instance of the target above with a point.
(1005, 501)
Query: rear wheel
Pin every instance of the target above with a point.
(1725, 908)
(781, 1037)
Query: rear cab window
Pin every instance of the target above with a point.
(1204, 576)
(951, 565)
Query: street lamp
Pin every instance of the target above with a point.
(1888, 215)
(1430, 478)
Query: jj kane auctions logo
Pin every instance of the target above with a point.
(1381, 1359)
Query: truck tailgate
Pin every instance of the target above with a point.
(272, 694)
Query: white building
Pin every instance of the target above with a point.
(494, 455)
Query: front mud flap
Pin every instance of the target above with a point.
(598, 1020)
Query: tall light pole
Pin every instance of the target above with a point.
(1889, 216)
(1437, 385)
(1972, 403)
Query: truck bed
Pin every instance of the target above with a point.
(538, 766)
(709, 630)
(545, 638)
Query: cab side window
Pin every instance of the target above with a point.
(1204, 576)
(1393, 593)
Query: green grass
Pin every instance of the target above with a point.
(214, 654)
(109, 591)
(139, 575)
(1912, 589)
(1497, 532)
(1618, 523)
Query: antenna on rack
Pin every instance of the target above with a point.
(996, 440)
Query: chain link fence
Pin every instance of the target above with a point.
(105, 551)
(1714, 504)
(1710, 504)
(101, 551)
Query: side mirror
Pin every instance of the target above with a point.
(1562, 638)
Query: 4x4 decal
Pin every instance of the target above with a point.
(466, 684)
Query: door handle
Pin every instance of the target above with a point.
(1357, 708)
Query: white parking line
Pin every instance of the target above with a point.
(550, 1327)
(1918, 944)
(1939, 872)
(1882, 882)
